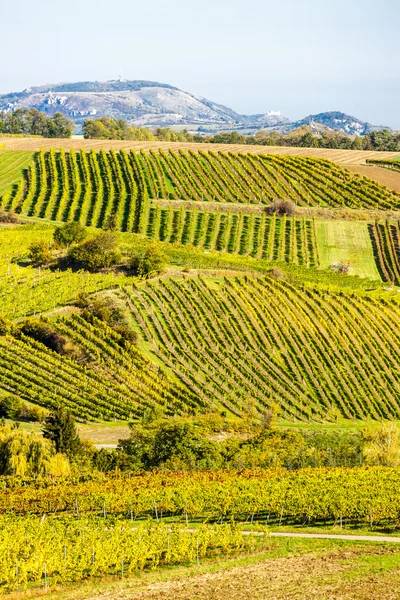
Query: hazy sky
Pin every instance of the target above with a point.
(297, 56)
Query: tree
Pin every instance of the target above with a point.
(69, 233)
(27, 454)
(60, 428)
(172, 445)
(39, 252)
(60, 127)
(381, 445)
(97, 253)
(151, 263)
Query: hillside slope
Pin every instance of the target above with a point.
(146, 103)
(234, 345)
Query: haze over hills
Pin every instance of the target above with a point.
(153, 104)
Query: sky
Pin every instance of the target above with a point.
(298, 56)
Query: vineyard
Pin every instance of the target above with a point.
(26, 291)
(265, 340)
(116, 381)
(12, 165)
(94, 187)
(386, 243)
(223, 346)
(362, 495)
(59, 551)
(268, 238)
(389, 164)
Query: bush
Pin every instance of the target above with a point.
(151, 263)
(9, 217)
(282, 207)
(45, 334)
(109, 309)
(39, 253)
(6, 326)
(70, 233)
(12, 407)
(97, 253)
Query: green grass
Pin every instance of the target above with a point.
(347, 241)
(12, 166)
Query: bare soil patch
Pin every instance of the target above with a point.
(318, 577)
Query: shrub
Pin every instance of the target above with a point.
(97, 253)
(109, 309)
(282, 207)
(39, 253)
(9, 217)
(12, 407)
(45, 334)
(151, 263)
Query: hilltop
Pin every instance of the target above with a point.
(154, 104)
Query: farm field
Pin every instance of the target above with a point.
(344, 241)
(384, 176)
(12, 165)
(348, 157)
(220, 372)
(245, 322)
(96, 187)
(278, 570)
(385, 238)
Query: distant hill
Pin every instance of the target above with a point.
(154, 104)
(337, 121)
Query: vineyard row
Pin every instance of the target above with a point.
(94, 187)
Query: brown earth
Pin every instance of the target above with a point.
(381, 174)
(338, 575)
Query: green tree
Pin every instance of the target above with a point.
(59, 428)
(151, 263)
(69, 233)
(10, 407)
(96, 253)
(60, 127)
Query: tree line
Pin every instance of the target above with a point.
(29, 121)
(107, 128)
